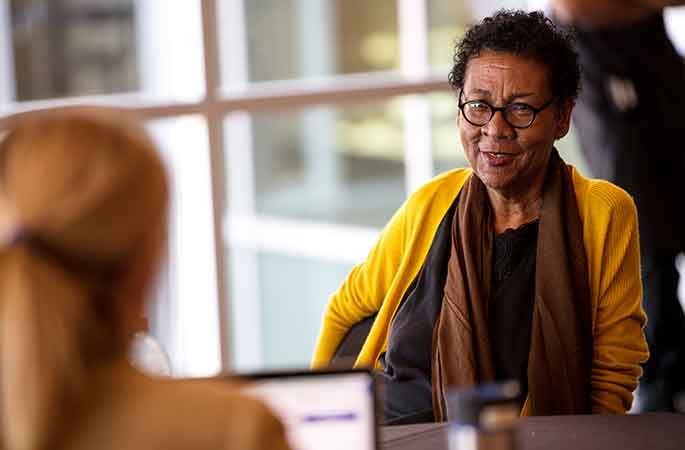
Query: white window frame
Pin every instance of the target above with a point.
(229, 110)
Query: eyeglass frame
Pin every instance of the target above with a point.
(495, 109)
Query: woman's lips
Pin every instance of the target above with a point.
(497, 159)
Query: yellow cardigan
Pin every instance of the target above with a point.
(609, 219)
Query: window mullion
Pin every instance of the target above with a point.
(413, 31)
(215, 131)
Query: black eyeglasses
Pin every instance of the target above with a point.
(518, 115)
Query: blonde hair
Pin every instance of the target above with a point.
(83, 203)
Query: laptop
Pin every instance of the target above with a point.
(329, 409)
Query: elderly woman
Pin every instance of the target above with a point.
(517, 268)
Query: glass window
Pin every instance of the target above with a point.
(277, 303)
(288, 39)
(67, 48)
(448, 153)
(447, 21)
(341, 164)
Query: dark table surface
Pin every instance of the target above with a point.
(636, 432)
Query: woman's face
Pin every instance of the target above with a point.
(506, 159)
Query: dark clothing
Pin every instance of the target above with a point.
(630, 118)
(407, 368)
(510, 312)
(630, 122)
(664, 372)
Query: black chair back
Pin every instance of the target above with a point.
(352, 343)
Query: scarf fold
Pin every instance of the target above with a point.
(560, 356)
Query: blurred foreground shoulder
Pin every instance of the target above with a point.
(241, 422)
(145, 413)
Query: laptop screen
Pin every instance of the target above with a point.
(321, 410)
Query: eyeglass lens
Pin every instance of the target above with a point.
(517, 115)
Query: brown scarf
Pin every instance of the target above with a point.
(560, 357)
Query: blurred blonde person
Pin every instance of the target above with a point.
(83, 206)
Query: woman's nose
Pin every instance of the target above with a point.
(498, 128)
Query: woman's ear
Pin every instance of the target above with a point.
(564, 118)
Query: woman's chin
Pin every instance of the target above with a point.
(498, 180)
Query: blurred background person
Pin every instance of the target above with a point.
(83, 209)
(630, 118)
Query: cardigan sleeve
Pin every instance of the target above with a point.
(619, 320)
(363, 291)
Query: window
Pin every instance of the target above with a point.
(68, 48)
(295, 39)
(293, 129)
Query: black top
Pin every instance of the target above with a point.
(407, 362)
(510, 312)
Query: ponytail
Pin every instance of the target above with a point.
(44, 314)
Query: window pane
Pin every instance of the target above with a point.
(447, 150)
(447, 21)
(288, 39)
(277, 303)
(334, 164)
(65, 48)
